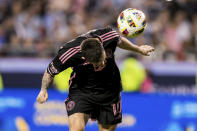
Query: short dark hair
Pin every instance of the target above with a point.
(92, 50)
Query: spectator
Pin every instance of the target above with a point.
(176, 34)
(47, 24)
(132, 74)
(14, 48)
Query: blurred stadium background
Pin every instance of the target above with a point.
(159, 91)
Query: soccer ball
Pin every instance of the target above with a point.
(131, 22)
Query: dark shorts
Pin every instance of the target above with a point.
(104, 114)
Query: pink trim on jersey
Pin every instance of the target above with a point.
(64, 53)
(67, 55)
(107, 33)
(76, 51)
(72, 79)
(108, 36)
(77, 47)
(100, 39)
(68, 51)
(111, 38)
(114, 109)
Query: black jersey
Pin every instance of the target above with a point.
(101, 85)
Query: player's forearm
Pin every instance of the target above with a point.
(128, 45)
(46, 81)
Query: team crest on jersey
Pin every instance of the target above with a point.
(70, 105)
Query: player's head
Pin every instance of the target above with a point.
(93, 51)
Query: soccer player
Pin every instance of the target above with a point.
(95, 84)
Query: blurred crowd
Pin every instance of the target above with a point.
(36, 28)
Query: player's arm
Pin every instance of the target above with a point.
(54, 67)
(128, 45)
(61, 62)
(46, 81)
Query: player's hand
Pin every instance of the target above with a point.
(42, 96)
(146, 49)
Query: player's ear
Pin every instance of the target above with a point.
(83, 58)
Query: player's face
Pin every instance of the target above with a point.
(102, 61)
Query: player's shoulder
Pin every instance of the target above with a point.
(72, 44)
(106, 29)
(69, 54)
(101, 31)
(69, 49)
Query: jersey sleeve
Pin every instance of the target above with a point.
(110, 36)
(64, 59)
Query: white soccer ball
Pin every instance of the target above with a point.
(131, 22)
